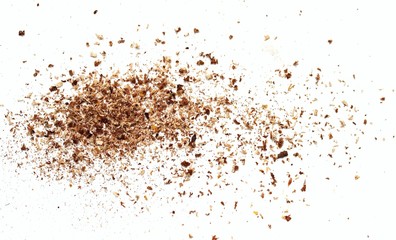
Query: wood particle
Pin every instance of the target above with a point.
(283, 154)
(287, 218)
(156, 132)
(304, 187)
(97, 63)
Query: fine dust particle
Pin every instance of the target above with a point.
(330, 41)
(357, 177)
(21, 33)
(95, 12)
(266, 37)
(382, 99)
(168, 123)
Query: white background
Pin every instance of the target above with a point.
(363, 44)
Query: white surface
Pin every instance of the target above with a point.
(343, 208)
